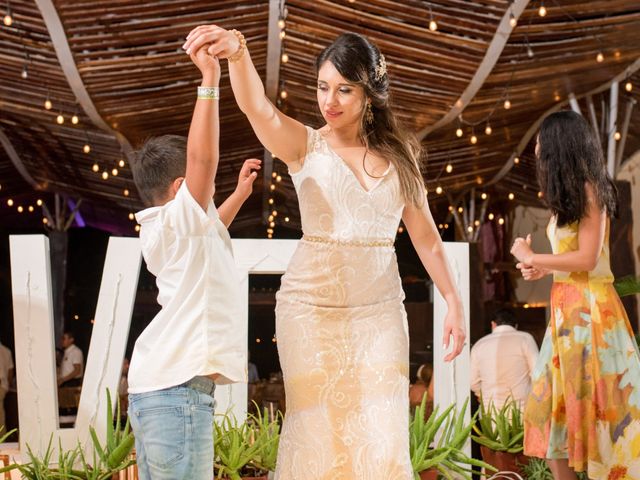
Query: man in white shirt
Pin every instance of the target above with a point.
(6, 377)
(502, 362)
(195, 341)
(72, 366)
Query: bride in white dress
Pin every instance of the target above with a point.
(340, 320)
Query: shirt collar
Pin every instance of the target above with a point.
(504, 328)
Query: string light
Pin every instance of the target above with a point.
(617, 136)
(137, 228)
(460, 209)
(511, 196)
(513, 21)
(282, 34)
(433, 25)
(30, 208)
(283, 94)
(484, 196)
(86, 148)
(439, 190)
(272, 224)
(516, 160)
(507, 104)
(8, 19)
(60, 119)
(271, 201)
(281, 23)
(270, 218)
(501, 221)
(539, 194)
(542, 11)
(286, 219)
(114, 172)
(47, 103)
(470, 229)
(488, 130)
(459, 132)
(10, 202)
(269, 230)
(284, 58)
(628, 86)
(400, 229)
(278, 178)
(473, 139)
(44, 220)
(39, 202)
(272, 187)
(449, 168)
(95, 167)
(599, 57)
(25, 71)
(126, 192)
(121, 163)
(274, 213)
(131, 216)
(20, 209)
(105, 175)
(477, 223)
(491, 216)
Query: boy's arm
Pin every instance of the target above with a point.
(204, 133)
(231, 206)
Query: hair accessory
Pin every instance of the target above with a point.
(208, 93)
(241, 49)
(381, 68)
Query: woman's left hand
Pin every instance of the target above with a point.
(454, 327)
(522, 249)
(248, 173)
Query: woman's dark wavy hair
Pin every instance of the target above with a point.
(356, 59)
(570, 156)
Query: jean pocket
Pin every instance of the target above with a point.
(163, 435)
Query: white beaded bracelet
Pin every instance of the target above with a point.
(208, 93)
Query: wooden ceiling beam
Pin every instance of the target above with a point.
(70, 69)
(490, 59)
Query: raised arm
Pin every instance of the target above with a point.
(204, 133)
(428, 245)
(591, 231)
(283, 136)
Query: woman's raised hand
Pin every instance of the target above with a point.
(221, 43)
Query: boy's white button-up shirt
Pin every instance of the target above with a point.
(197, 329)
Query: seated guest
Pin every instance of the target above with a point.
(72, 365)
(422, 387)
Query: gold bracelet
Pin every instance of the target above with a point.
(241, 49)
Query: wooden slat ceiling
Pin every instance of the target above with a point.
(129, 58)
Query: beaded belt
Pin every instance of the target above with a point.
(383, 242)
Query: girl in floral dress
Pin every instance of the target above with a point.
(584, 410)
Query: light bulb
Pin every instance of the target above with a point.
(86, 148)
(278, 178)
(47, 104)
(281, 24)
(10, 202)
(105, 175)
(271, 201)
(8, 20)
(25, 73)
(628, 86)
(126, 192)
(39, 202)
(488, 130)
(20, 209)
(484, 196)
(542, 11)
(272, 187)
(511, 196)
(272, 224)
(449, 168)
(439, 190)
(400, 229)
(507, 104)
(121, 163)
(274, 174)
(473, 139)
(30, 208)
(75, 119)
(284, 58)
(491, 216)
(274, 213)
(513, 21)
(283, 94)
(477, 223)
(516, 160)
(114, 172)
(137, 228)
(269, 235)
(44, 220)
(131, 216)
(60, 119)
(459, 132)
(270, 218)
(286, 219)
(501, 221)
(433, 25)
(282, 34)
(470, 229)
(617, 136)
(600, 57)
(95, 167)
(460, 209)
(539, 194)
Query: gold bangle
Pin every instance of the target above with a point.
(241, 49)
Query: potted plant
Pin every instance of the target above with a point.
(436, 445)
(500, 433)
(236, 447)
(267, 434)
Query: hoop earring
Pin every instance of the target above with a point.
(368, 114)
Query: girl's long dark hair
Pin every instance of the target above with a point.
(356, 59)
(570, 156)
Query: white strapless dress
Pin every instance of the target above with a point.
(342, 329)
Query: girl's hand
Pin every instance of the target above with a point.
(454, 327)
(220, 43)
(522, 249)
(208, 65)
(248, 174)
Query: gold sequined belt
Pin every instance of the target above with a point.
(382, 242)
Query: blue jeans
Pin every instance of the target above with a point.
(174, 431)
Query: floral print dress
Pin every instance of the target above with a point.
(585, 400)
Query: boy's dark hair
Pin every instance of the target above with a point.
(505, 316)
(69, 334)
(157, 164)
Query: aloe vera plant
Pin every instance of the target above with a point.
(438, 443)
(235, 446)
(501, 430)
(267, 435)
